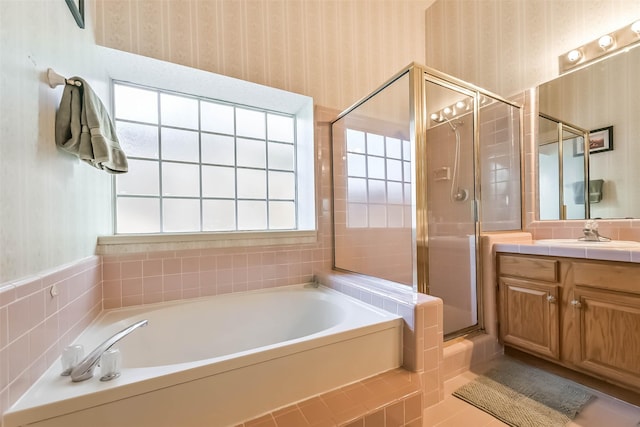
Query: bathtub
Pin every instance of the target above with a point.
(218, 361)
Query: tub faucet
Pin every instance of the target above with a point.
(84, 370)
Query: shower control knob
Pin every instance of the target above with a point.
(551, 299)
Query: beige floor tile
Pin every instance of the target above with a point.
(458, 381)
(443, 410)
(469, 417)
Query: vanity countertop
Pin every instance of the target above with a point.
(587, 252)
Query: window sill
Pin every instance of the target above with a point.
(132, 243)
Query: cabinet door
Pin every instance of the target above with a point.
(609, 334)
(529, 316)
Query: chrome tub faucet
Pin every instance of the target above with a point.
(84, 369)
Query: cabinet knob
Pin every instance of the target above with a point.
(576, 304)
(551, 299)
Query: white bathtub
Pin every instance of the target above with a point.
(220, 360)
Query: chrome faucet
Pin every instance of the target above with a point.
(591, 234)
(84, 369)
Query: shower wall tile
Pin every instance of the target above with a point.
(500, 166)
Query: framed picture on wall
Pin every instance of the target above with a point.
(599, 140)
(77, 10)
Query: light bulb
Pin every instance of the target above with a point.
(605, 42)
(460, 105)
(447, 110)
(435, 117)
(635, 27)
(574, 55)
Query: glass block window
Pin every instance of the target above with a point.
(201, 165)
(378, 180)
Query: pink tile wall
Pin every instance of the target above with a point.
(446, 216)
(35, 326)
(391, 399)
(152, 277)
(376, 251)
(423, 327)
(500, 166)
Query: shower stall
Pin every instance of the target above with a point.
(421, 167)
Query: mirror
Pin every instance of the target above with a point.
(602, 98)
(563, 170)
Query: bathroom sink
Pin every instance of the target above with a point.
(614, 244)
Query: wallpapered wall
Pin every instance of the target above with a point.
(335, 51)
(506, 46)
(52, 207)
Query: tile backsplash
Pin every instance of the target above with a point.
(35, 324)
(152, 277)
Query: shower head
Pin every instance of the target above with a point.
(454, 124)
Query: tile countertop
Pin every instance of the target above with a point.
(601, 253)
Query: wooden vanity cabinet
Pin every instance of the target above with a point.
(529, 291)
(606, 308)
(583, 314)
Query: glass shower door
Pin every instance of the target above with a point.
(451, 204)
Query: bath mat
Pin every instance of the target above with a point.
(523, 396)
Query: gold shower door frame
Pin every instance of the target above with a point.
(419, 76)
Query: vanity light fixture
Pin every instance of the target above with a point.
(603, 46)
(574, 55)
(606, 42)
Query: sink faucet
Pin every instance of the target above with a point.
(84, 370)
(591, 234)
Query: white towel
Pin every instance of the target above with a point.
(84, 128)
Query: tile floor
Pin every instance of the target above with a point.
(453, 412)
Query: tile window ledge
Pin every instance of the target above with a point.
(132, 243)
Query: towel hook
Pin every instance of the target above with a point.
(56, 79)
